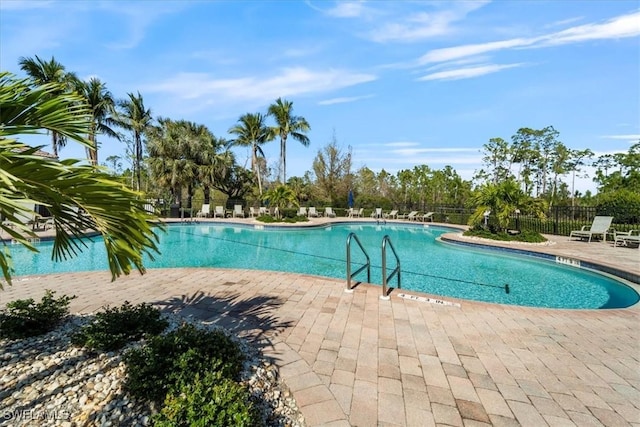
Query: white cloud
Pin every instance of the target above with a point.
(347, 9)
(630, 137)
(468, 72)
(401, 144)
(423, 25)
(343, 100)
(289, 82)
(24, 4)
(619, 27)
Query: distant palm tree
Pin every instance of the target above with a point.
(79, 197)
(281, 197)
(134, 117)
(181, 155)
(102, 106)
(252, 131)
(44, 72)
(287, 124)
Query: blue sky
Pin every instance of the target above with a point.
(402, 82)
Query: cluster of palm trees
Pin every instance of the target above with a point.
(107, 113)
(252, 130)
(130, 114)
(80, 197)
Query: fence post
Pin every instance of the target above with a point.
(555, 222)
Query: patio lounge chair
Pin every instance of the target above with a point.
(302, 211)
(237, 211)
(253, 213)
(412, 216)
(377, 213)
(219, 211)
(427, 216)
(205, 211)
(392, 214)
(627, 238)
(313, 212)
(599, 227)
(263, 211)
(329, 213)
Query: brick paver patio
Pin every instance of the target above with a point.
(352, 359)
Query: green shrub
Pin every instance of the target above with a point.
(622, 205)
(114, 327)
(208, 401)
(24, 318)
(493, 234)
(172, 360)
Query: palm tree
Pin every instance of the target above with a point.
(281, 197)
(102, 106)
(180, 155)
(253, 132)
(79, 197)
(287, 124)
(134, 117)
(501, 200)
(44, 72)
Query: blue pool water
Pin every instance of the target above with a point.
(427, 265)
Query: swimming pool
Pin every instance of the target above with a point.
(427, 264)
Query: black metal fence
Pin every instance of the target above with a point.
(559, 220)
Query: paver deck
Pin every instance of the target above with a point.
(352, 359)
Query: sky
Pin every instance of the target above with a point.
(403, 83)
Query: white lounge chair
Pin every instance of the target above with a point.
(329, 213)
(253, 213)
(263, 211)
(627, 238)
(205, 211)
(237, 211)
(599, 227)
(218, 212)
(412, 216)
(427, 216)
(393, 214)
(359, 213)
(377, 213)
(302, 211)
(313, 212)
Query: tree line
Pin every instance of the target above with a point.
(171, 159)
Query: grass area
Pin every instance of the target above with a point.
(524, 236)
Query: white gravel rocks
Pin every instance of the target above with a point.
(46, 381)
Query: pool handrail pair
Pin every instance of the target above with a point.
(386, 240)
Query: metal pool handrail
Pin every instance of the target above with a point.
(387, 240)
(367, 265)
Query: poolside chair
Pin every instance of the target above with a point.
(253, 213)
(302, 211)
(599, 227)
(427, 216)
(393, 214)
(237, 211)
(329, 213)
(359, 213)
(218, 212)
(412, 216)
(204, 211)
(350, 213)
(312, 212)
(377, 213)
(263, 211)
(627, 238)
